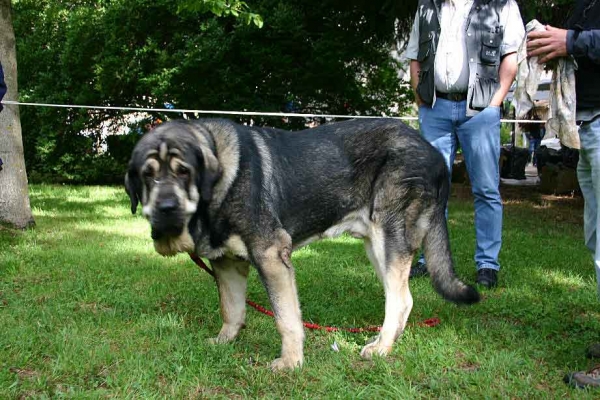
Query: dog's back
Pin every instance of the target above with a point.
(350, 176)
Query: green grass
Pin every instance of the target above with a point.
(88, 310)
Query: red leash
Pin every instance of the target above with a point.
(431, 322)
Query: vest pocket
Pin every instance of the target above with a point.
(483, 91)
(426, 86)
(490, 47)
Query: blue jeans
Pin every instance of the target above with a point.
(534, 145)
(588, 174)
(445, 126)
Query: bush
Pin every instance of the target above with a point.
(78, 162)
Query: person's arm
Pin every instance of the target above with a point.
(412, 53)
(553, 43)
(584, 44)
(514, 33)
(507, 72)
(415, 69)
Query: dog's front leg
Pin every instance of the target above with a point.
(232, 277)
(277, 274)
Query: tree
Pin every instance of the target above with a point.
(220, 8)
(310, 56)
(552, 12)
(317, 56)
(14, 195)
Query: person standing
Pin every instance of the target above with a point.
(463, 62)
(581, 39)
(534, 135)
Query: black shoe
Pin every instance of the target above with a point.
(487, 277)
(419, 269)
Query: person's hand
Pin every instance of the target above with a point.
(548, 44)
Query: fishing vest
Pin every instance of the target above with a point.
(484, 35)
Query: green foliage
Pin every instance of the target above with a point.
(220, 8)
(327, 56)
(552, 12)
(505, 133)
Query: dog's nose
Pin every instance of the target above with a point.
(167, 205)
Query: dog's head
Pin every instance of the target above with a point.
(172, 172)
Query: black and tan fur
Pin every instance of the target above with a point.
(243, 196)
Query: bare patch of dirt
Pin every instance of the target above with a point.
(25, 373)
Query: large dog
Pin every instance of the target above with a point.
(241, 195)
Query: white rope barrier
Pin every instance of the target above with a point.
(248, 113)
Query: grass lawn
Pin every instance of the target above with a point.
(87, 310)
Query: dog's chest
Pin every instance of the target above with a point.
(233, 247)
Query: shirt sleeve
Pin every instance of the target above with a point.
(584, 44)
(412, 48)
(514, 29)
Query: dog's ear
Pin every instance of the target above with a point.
(210, 172)
(133, 187)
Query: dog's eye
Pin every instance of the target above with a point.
(148, 173)
(183, 171)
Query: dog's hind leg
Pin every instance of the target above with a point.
(232, 276)
(277, 273)
(392, 264)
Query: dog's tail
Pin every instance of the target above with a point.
(439, 263)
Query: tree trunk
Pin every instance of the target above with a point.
(15, 210)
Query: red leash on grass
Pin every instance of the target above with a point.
(431, 322)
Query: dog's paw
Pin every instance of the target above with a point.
(281, 364)
(374, 348)
(227, 334)
(221, 339)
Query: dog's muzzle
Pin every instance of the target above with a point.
(168, 219)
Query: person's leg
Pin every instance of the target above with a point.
(437, 126)
(588, 175)
(536, 146)
(531, 149)
(479, 138)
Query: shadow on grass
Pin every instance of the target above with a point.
(529, 199)
(10, 237)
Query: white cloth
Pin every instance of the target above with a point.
(451, 64)
(562, 102)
